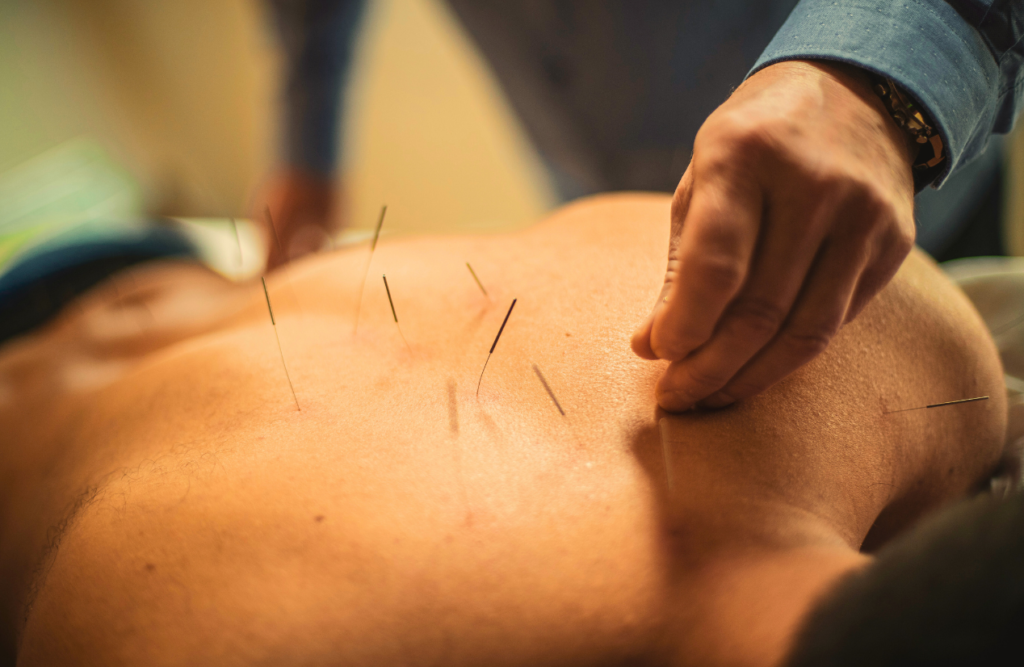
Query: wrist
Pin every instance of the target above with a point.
(861, 83)
(917, 125)
(925, 149)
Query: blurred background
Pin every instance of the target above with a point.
(177, 100)
(120, 107)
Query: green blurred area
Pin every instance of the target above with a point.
(65, 187)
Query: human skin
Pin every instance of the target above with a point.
(399, 518)
(796, 209)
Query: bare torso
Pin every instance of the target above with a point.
(399, 518)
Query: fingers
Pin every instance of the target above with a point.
(710, 263)
(889, 251)
(641, 342)
(817, 316)
(784, 258)
(746, 301)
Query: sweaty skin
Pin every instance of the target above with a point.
(165, 503)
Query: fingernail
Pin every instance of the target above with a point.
(717, 400)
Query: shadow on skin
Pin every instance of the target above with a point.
(453, 408)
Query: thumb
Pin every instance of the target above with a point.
(641, 341)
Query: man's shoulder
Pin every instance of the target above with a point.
(618, 220)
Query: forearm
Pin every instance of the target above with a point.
(317, 38)
(960, 59)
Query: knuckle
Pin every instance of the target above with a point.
(876, 211)
(702, 381)
(674, 345)
(809, 342)
(852, 192)
(890, 248)
(741, 389)
(901, 241)
(830, 179)
(731, 131)
(717, 271)
(760, 317)
(668, 350)
(872, 214)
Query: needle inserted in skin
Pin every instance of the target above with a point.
(393, 314)
(280, 248)
(939, 405)
(479, 284)
(273, 231)
(493, 345)
(544, 382)
(274, 324)
(362, 285)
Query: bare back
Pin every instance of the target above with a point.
(400, 518)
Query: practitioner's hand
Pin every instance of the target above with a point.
(303, 208)
(796, 209)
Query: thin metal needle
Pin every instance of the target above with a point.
(939, 405)
(366, 272)
(544, 382)
(393, 314)
(273, 230)
(238, 240)
(280, 249)
(280, 351)
(493, 345)
(388, 289)
(479, 284)
(1009, 325)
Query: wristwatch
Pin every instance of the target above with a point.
(914, 122)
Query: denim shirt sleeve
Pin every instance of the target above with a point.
(961, 59)
(317, 38)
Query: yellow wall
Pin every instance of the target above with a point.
(183, 92)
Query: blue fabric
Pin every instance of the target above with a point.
(961, 59)
(44, 279)
(148, 241)
(317, 37)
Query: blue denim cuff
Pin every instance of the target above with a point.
(923, 45)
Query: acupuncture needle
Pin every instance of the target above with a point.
(273, 231)
(1006, 327)
(939, 405)
(395, 315)
(479, 284)
(366, 272)
(493, 345)
(279, 349)
(547, 388)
